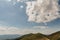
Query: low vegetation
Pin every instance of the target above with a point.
(39, 36)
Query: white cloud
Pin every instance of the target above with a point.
(21, 6)
(9, 0)
(35, 29)
(18, 0)
(14, 30)
(9, 30)
(45, 29)
(42, 11)
(40, 27)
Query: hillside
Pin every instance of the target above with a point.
(55, 36)
(31, 36)
(39, 36)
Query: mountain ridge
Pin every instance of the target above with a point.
(39, 36)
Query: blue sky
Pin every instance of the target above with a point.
(12, 16)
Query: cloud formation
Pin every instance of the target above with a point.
(35, 29)
(42, 11)
(40, 27)
(18, 0)
(45, 29)
(12, 0)
(9, 30)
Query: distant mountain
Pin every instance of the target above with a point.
(39, 36)
(10, 36)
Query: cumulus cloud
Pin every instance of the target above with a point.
(42, 11)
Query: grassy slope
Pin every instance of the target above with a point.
(39, 36)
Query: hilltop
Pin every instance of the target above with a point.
(39, 36)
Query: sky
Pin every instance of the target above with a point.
(15, 18)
